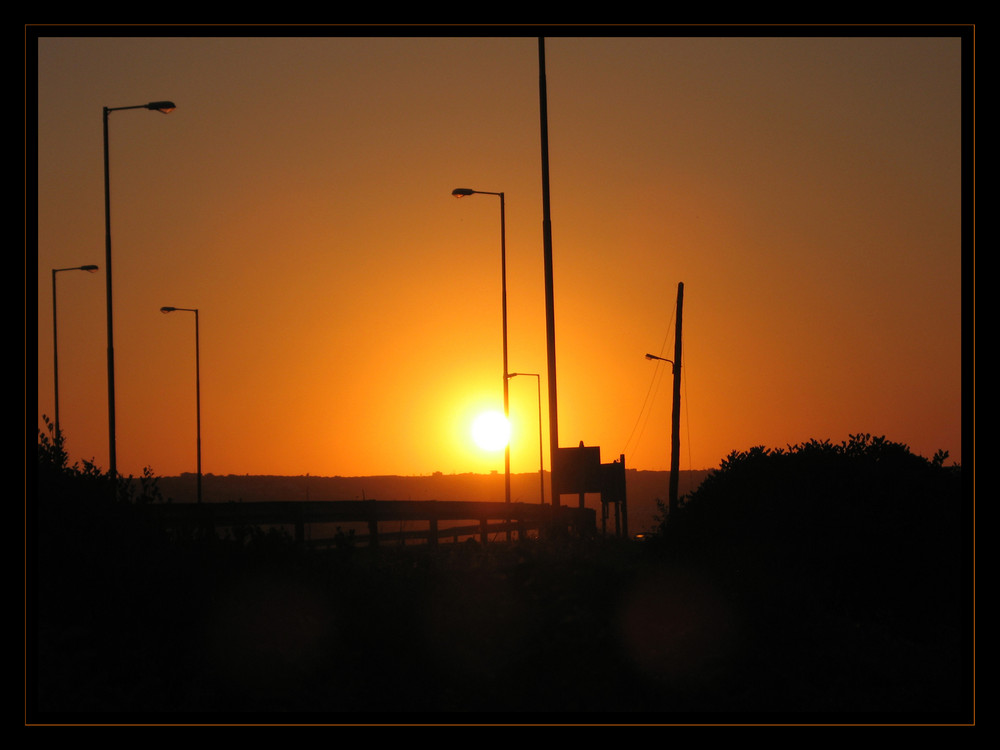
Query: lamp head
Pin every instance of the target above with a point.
(459, 192)
(167, 309)
(661, 359)
(164, 107)
(90, 269)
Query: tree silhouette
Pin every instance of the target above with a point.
(863, 527)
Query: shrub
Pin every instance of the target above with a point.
(864, 525)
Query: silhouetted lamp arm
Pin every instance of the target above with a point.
(164, 107)
(661, 359)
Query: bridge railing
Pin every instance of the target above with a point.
(523, 517)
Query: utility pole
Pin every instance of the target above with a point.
(549, 301)
(675, 419)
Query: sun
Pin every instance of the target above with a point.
(491, 430)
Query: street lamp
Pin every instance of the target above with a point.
(460, 193)
(675, 444)
(541, 465)
(197, 378)
(55, 344)
(661, 359)
(165, 108)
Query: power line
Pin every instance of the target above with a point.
(654, 385)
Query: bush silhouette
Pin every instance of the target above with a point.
(864, 527)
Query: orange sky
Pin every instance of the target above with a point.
(806, 191)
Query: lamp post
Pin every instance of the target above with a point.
(55, 341)
(541, 465)
(459, 193)
(197, 378)
(674, 434)
(165, 108)
(675, 416)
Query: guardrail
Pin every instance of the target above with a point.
(522, 517)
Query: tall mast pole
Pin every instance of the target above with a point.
(550, 330)
(675, 419)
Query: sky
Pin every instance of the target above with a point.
(806, 191)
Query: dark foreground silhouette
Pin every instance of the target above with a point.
(824, 582)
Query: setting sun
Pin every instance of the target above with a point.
(491, 431)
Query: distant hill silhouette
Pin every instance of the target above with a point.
(644, 488)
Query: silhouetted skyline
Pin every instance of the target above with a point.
(806, 191)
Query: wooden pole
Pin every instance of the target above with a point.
(675, 419)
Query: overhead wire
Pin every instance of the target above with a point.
(654, 385)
